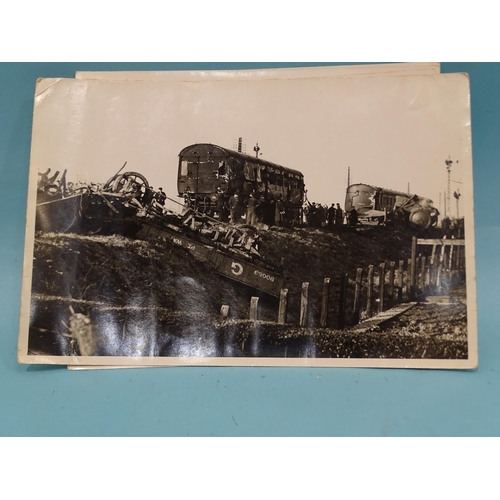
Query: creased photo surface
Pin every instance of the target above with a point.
(296, 222)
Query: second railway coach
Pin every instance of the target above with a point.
(377, 204)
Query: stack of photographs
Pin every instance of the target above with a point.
(317, 216)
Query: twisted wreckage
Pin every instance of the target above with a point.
(126, 205)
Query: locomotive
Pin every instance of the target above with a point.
(207, 172)
(380, 205)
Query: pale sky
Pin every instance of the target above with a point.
(391, 131)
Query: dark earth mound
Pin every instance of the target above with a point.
(147, 298)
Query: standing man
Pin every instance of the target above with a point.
(160, 197)
(147, 196)
(280, 212)
(251, 208)
(353, 217)
(221, 206)
(331, 216)
(339, 216)
(234, 208)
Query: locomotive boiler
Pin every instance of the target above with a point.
(207, 171)
(380, 205)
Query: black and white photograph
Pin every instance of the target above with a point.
(305, 221)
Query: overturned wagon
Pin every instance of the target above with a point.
(233, 265)
(121, 206)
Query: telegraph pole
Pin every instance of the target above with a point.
(457, 195)
(449, 162)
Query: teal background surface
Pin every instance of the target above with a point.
(210, 401)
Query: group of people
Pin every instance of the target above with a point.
(153, 200)
(239, 209)
(255, 211)
(332, 217)
(148, 201)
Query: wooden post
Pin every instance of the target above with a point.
(423, 261)
(427, 282)
(450, 261)
(432, 272)
(392, 265)
(381, 286)
(440, 267)
(357, 294)
(303, 304)
(416, 272)
(400, 280)
(432, 267)
(463, 260)
(282, 307)
(224, 311)
(459, 262)
(324, 304)
(369, 293)
(254, 302)
(413, 269)
(457, 257)
(342, 301)
(433, 255)
(409, 275)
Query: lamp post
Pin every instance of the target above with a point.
(457, 195)
(449, 163)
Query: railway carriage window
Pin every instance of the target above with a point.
(272, 177)
(258, 175)
(250, 172)
(233, 165)
(184, 167)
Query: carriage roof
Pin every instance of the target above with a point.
(240, 156)
(384, 190)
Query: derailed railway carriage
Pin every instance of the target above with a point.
(380, 205)
(206, 170)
